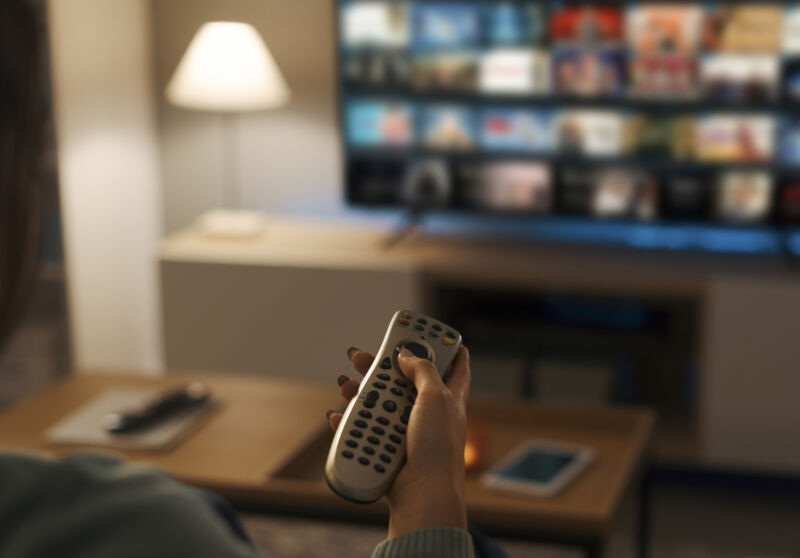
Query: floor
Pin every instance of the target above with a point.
(687, 523)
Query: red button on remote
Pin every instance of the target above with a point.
(407, 315)
(402, 322)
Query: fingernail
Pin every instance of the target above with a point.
(351, 351)
(329, 413)
(342, 379)
(405, 353)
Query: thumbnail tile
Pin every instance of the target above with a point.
(522, 130)
(375, 23)
(448, 127)
(743, 196)
(743, 28)
(379, 123)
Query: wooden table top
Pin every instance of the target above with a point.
(261, 424)
(268, 443)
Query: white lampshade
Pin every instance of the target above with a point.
(227, 68)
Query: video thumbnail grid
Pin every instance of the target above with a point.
(716, 51)
(642, 111)
(735, 196)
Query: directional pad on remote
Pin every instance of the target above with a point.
(417, 349)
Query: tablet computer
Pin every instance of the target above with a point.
(539, 467)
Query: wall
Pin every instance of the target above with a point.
(109, 178)
(288, 159)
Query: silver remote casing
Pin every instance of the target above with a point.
(369, 447)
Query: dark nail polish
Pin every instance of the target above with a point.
(351, 351)
(329, 413)
(342, 379)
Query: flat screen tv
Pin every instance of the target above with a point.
(643, 116)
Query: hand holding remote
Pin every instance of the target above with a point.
(429, 490)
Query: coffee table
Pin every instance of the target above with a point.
(264, 449)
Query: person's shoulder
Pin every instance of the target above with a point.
(94, 502)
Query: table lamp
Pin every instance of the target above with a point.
(228, 69)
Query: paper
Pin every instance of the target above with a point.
(83, 427)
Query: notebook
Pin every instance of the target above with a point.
(83, 427)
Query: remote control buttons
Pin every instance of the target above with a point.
(380, 468)
(360, 423)
(384, 376)
(402, 322)
(397, 391)
(394, 438)
(451, 334)
(365, 414)
(363, 460)
(383, 420)
(386, 364)
(353, 443)
(406, 415)
(373, 440)
(401, 382)
(347, 454)
(423, 321)
(385, 458)
(419, 327)
(371, 399)
(369, 450)
(389, 406)
(433, 333)
(411, 398)
(407, 315)
(447, 341)
(390, 448)
(399, 428)
(378, 430)
(379, 385)
(356, 433)
(437, 327)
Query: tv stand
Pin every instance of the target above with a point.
(408, 230)
(221, 300)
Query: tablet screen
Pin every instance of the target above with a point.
(538, 465)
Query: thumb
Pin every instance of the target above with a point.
(420, 371)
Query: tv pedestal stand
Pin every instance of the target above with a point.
(408, 230)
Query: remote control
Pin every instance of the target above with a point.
(164, 407)
(369, 447)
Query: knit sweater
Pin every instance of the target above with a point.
(94, 506)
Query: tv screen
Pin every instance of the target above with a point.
(604, 113)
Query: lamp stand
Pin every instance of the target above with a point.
(233, 194)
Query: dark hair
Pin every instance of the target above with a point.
(22, 131)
